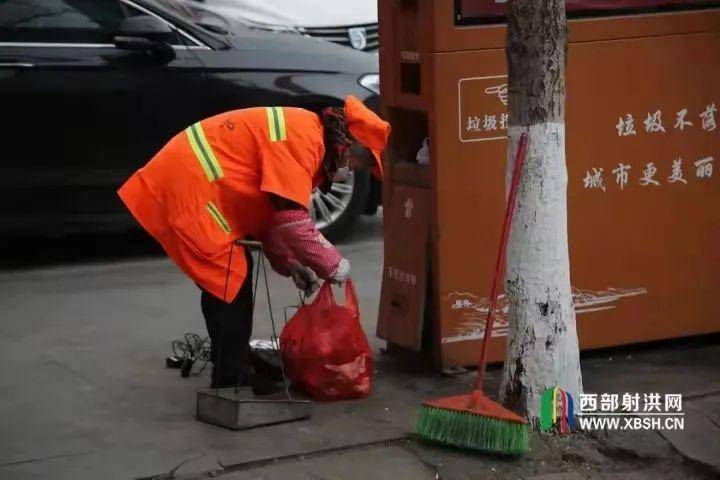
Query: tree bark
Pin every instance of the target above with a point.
(543, 346)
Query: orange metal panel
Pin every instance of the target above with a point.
(644, 257)
(404, 287)
(448, 38)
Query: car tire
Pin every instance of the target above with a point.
(374, 197)
(340, 220)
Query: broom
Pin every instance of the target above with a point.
(474, 421)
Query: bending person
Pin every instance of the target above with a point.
(248, 174)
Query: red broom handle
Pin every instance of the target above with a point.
(499, 266)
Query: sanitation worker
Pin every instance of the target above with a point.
(248, 175)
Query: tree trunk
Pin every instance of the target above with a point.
(543, 346)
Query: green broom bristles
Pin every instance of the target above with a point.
(474, 432)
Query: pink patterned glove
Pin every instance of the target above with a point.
(293, 239)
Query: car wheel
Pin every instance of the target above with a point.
(374, 197)
(334, 212)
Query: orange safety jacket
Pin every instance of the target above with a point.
(210, 186)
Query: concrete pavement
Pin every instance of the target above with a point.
(86, 394)
(82, 363)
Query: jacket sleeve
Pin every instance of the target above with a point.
(306, 245)
(280, 256)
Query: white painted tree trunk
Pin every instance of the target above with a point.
(543, 346)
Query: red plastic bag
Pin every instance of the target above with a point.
(324, 348)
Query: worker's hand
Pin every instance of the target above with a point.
(305, 279)
(342, 273)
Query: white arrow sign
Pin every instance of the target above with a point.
(409, 205)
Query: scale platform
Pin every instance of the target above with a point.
(239, 409)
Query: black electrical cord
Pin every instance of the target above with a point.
(187, 351)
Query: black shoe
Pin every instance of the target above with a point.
(266, 363)
(223, 384)
(228, 381)
(262, 385)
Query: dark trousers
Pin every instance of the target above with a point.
(229, 326)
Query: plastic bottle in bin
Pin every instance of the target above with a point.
(423, 155)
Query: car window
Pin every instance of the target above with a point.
(171, 38)
(194, 12)
(65, 21)
(59, 21)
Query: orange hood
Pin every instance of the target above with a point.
(369, 129)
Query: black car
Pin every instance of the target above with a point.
(91, 89)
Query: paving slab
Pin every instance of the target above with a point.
(82, 351)
(700, 439)
(645, 445)
(108, 464)
(378, 463)
(708, 406)
(558, 476)
(649, 371)
(627, 475)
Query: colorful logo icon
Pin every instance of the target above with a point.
(556, 406)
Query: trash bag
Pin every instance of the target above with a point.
(324, 348)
